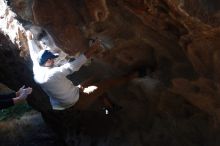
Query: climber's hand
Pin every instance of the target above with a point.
(29, 35)
(94, 48)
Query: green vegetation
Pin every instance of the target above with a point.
(14, 111)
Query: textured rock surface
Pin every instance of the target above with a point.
(178, 41)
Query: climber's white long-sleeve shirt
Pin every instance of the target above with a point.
(53, 81)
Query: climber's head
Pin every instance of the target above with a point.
(46, 58)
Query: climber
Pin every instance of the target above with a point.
(61, 91)
(13, 98)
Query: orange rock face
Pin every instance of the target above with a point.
(170, 37)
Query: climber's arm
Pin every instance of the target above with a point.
(33, 49)
(79, 61)
(73, 66)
